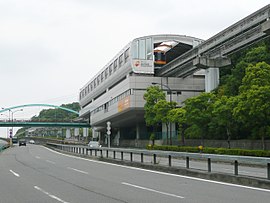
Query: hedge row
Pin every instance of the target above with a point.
(210, 150)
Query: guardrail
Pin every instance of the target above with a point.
(3, 146)
(170, 156)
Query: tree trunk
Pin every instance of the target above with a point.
(228, 138)
(167, 136)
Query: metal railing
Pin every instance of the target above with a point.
(104, 152)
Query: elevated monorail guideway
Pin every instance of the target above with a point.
(214, 51)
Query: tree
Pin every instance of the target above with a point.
(152, 96)
(223, 112)
(251, 56)
(162, 109)
(178, 115)
(253, 108)
(199, 112)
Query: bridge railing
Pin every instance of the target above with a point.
(142, 155)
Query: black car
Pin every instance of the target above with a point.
(22, 142)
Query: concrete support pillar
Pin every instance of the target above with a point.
(211, 67)
(137, 131)
(68, 133)
(211, 79)
(85, 132)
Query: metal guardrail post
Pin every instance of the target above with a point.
(141, 157)
(209, 164)
(131, 156)
(101, 153)
(236, 167)
(155, 158)
(91, 152)
(268, 171)
(95, 152)
(122, 156)
(170, 160)
(113, 154)
(86, 151)
(107, 153)
(187, 162)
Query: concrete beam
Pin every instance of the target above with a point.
(204, 62)
(266, 27)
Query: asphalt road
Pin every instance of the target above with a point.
(37, 174)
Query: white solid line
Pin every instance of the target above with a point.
(152, 190)
(80, 171)
(37, 157)
(50, 195)
(163, 173)
(50, 162)
(16, 174)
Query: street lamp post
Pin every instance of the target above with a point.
(12, 113)
(8, 118)
(170, 91)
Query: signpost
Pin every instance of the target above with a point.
(109, 133)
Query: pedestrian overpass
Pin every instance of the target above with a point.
(10, 122)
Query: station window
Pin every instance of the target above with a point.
(126, 54)
(91, 86)
(121, 60)
(149, 49)
(142, 51)
(115, 65)
(81, 95)
(102, 76)
(95, 83)
(106, 73)
(110, 69)
(135, 50)
(98, 80)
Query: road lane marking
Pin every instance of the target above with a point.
(16, 174)
(37, 157)
(152, 190)
(50, 195)
(50, 162)
(162, 173)
(77, 170)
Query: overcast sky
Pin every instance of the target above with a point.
(50, 48)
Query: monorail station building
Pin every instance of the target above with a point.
(115, 94)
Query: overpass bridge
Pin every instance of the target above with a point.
(10, 122)
(213, 53)
(29, 123)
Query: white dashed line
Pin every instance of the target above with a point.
(16, 174)
(50, 195)
(152, 190)
(50, 162)
(77, 170)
